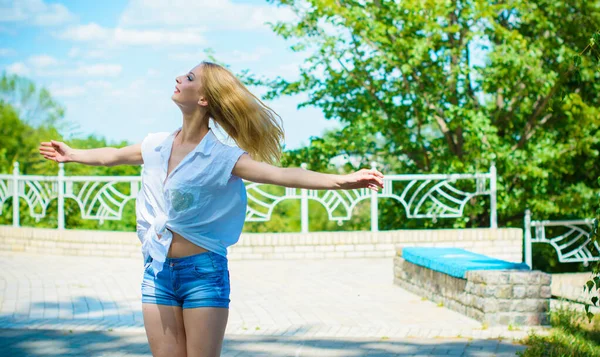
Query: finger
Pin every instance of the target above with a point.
(378, 180)
(377, 173)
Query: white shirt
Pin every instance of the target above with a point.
(201, 200)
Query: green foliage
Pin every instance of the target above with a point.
(403, 80)
(34, 105)
(21, 136)
(571, 335)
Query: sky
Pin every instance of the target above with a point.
(112, 64)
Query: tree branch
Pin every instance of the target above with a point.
(530, 127)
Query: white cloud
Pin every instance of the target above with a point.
(76, 52)
(187, 36)
(7, 52)
(18, 68)
(67, 91)
(235, 56)
(93, 87)
(34, 12)
(98, 70)
(85, 33)
(40, 67)
(215, 15)
(138, 88)
(98, 84)
(120, 36)
(42, 61)
(243, 57)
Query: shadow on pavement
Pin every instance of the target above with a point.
(36, 343)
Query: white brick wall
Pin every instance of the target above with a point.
(503, 243)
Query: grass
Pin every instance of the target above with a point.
(513, 328)
(572, 335)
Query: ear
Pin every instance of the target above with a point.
(202, 102)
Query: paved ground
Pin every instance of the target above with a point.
(56, 305)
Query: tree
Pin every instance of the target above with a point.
(34, 105)
(452, 86)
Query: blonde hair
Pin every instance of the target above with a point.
(254, 126)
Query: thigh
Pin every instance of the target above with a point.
(205, 330)
(165, 330)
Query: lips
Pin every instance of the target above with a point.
(177, 89)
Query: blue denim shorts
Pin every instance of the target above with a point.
(200, 280)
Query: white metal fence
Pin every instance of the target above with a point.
(104, 197)
(570, 238)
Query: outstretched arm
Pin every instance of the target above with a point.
(260, 172)
(61, 152)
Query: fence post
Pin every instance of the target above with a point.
(527, 236)
(61, 195)
(304, 206)
(493, 209)
(15, 194)
(374, 206)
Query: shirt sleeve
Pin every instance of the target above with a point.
(145, 143)
(232, 156)
(149, 143)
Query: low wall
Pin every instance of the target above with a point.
(494, 297)
(570, 286)
(502, 243)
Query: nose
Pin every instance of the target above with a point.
(177, 80)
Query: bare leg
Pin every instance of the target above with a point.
(165, 330)
(205, 330)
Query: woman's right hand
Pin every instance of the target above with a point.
(56, 151)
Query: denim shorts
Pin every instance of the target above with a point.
(200, 280)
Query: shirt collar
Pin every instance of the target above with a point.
(204, 147)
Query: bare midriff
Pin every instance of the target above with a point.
(181, 247)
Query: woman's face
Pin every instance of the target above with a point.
(188, 89)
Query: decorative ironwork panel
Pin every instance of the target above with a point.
(100, 199)
(263, 198)
(5, 191)
(443, 196)
(570, 239)
(38, 194)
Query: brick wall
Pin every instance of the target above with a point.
(502, 243)
(494, 297)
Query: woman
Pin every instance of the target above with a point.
(192, 203)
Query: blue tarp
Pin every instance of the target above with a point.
(456, 261)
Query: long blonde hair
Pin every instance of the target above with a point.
(254, 126)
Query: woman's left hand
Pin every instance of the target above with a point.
(364, 178)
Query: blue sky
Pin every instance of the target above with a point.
(112, 64)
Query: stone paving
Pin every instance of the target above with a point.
(90, 306)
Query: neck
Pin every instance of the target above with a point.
(194, 128)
